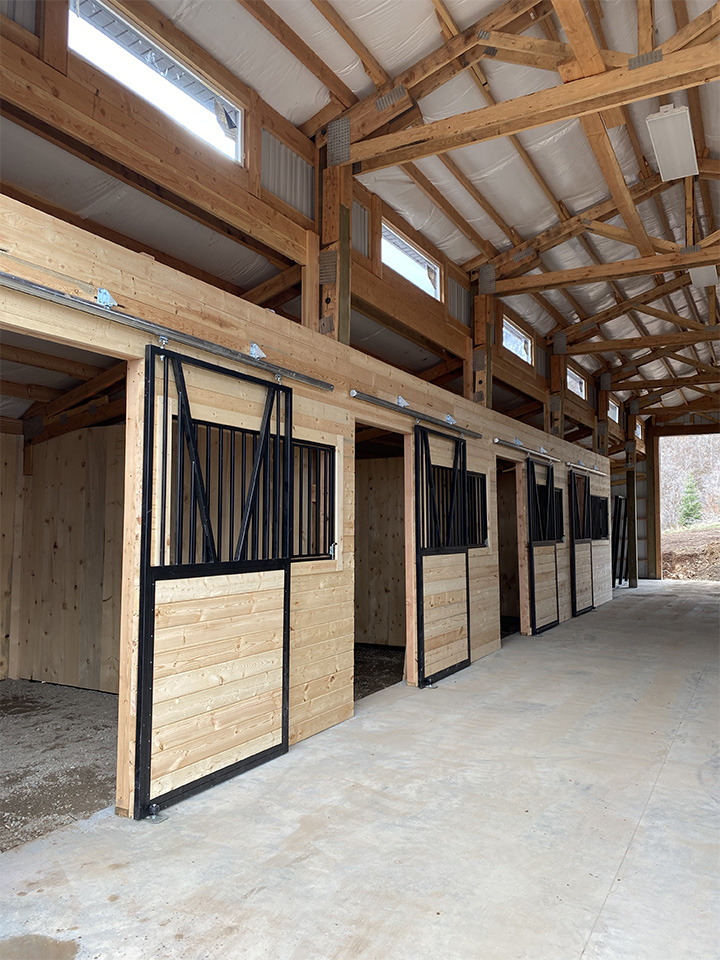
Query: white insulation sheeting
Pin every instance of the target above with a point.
(36, 166)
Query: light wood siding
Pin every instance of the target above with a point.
(379, 552)
(545, 585)
(602, 571)
(217, 674)
(69, 582)
(484, 606)
(10, 516)
(444, 611)
(583, 577)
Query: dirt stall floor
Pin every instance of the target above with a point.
(57, 746)
(377, 666)
(691, 554)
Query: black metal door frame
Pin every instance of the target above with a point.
(454, 525)
(150, 574)
(619, 540)
(578, 534)
(547, 522)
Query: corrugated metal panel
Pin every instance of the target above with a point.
(287, 175)
(360, 229)
(541, 362)
(459, 302)
(21, 11)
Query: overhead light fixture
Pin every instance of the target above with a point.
(672, 139)
(704, 276)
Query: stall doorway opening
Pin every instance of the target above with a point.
(63, 472)
(508, 558)
(380, 623)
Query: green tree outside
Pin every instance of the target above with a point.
(690, 507)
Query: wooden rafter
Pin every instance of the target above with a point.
(100, 384)
(28, 391)
(372, 68)
(678, 71)
(275, 25)
(639, 343)
(44, 361)
(617, 270)
(274, 286)
(672, 382)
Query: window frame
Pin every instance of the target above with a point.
(572, 372)
(613, 403)
(385, 224)
(638, 429)
(225, 100)
(522, 335)
(599, 512)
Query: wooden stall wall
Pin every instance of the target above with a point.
(322, 604)
(68, 614)
(546, 586)
(483, 573)
(379, 552)
(10, 517)
(601, 549)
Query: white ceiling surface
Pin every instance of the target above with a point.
(400, 32)
(33, 164)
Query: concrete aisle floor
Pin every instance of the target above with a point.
(557, 800)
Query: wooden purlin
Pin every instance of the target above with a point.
(686, 68)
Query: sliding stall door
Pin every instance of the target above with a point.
(213, 680)
(442, 555)
(581, 554)
(542, 546)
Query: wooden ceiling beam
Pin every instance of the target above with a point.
(372, 68)
(696, 406)
(640, 343)
(684, 69)
(92, 388)
(624, 236)
(44, 361)
(603, 272)
(88, 418)
(28, 391)
(275, 25)
(365, 117)
(660, 382)
(275, 285)
(709, 168)
(591, 326)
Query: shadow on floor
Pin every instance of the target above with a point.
(58, 757)
(377, 666)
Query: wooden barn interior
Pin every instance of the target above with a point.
(338, 339)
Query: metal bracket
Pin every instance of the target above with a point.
(338, 141)
(560, 343)
(643, 59)
(388, 99)
(486, 278)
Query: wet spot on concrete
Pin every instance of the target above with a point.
(33, 947)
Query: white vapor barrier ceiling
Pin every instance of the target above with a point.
(287, 175)
(36, 166)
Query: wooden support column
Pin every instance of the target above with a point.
(631, 492)
(555, 415)
(53, 30)
(336, 253)
(652, 473)
(311, 282)
(483, 336)
(602, 416)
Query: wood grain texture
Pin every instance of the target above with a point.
(70, 580)
(379, 552)
(11, 482)
(217, 684)
(445, 600)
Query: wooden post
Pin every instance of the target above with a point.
(558, 381)
(603, 407)
(53, 30)
(523, 538)
(652, 472)
(483, 336)
(631, 491)
(336, 256)
(311, 282)
(411, 629)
